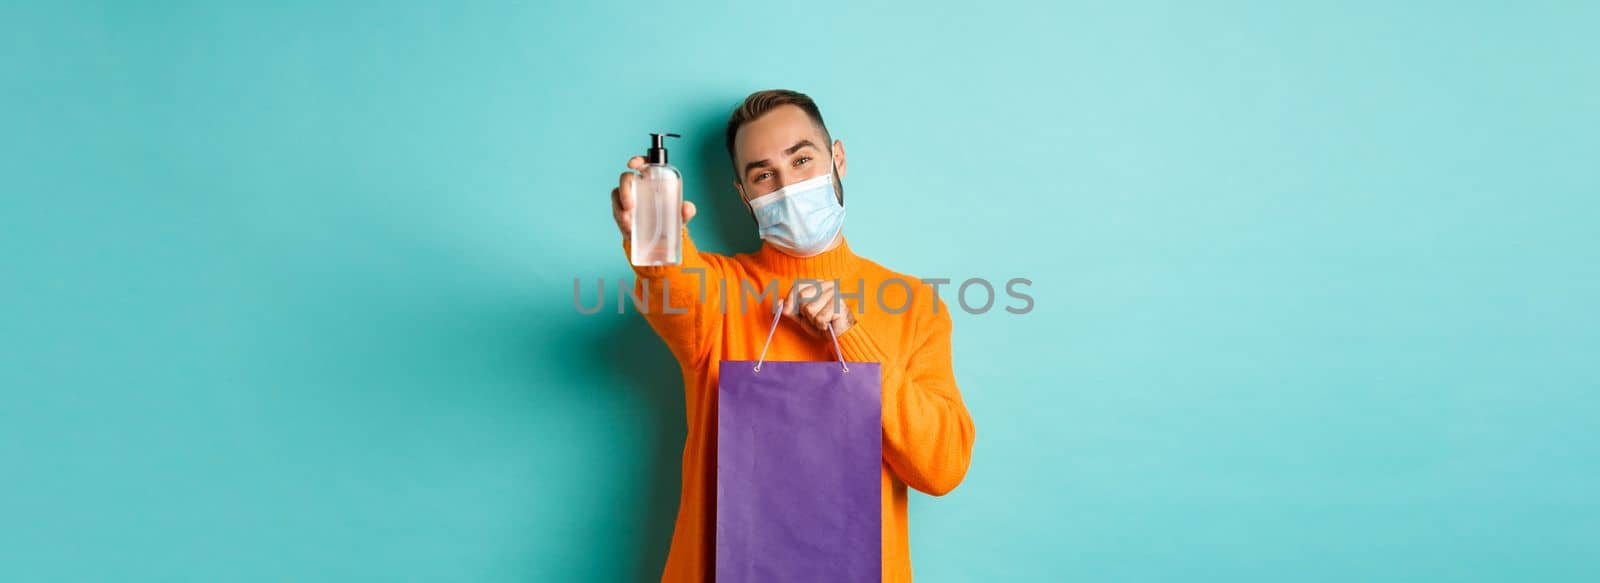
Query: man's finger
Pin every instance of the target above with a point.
(636, 162)
(825, 308)
(808, 325)
(808, 291)
(625, 190)
(822, 290)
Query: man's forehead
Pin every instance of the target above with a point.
(775, 131)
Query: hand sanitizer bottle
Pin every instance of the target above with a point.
(657, 208)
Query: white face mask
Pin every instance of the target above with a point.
(801, 218)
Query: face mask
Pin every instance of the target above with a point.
(801, 218)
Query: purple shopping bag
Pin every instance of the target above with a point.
(799, 451)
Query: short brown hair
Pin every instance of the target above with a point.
(763, 101)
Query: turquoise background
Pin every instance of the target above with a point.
(288, 286)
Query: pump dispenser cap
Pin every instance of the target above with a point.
(658, 151)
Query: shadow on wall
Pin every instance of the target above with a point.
(721, 219)
(651, 370)
(722, 224)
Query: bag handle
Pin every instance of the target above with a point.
(777, 314)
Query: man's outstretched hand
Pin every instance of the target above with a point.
(622, 199)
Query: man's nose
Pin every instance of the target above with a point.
(782, 179)
(788, 176)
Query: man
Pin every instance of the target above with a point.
(777, 138)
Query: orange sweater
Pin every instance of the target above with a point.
(927, 432)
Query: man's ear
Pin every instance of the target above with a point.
(838, 157)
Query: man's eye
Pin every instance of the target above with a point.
(802, 160)
(762, 176)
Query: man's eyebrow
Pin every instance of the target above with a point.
(787, 151)
(798, 145)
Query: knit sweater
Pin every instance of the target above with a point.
(927, 432)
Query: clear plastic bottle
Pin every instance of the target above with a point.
(657, 208)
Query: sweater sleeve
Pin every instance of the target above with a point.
(679, 301)
(927, 431)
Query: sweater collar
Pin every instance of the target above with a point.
(834, 263)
